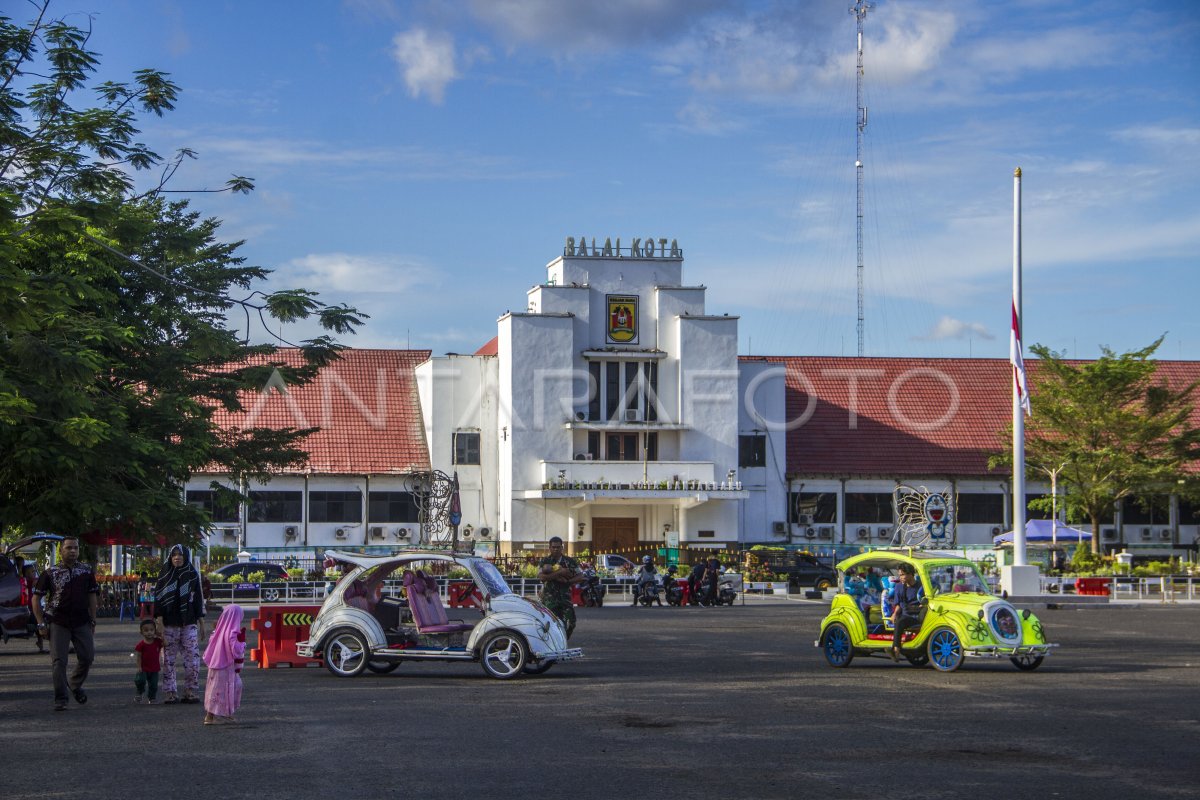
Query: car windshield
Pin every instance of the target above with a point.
(947, 578)
(491, 578)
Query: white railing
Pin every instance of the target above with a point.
(1167, 589)
(615, 473)
(306, 592)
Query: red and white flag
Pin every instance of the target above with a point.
(1018, 362)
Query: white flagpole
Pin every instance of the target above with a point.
(1018, 399)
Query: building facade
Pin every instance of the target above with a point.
(613, 411)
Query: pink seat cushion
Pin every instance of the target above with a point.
(426, 604)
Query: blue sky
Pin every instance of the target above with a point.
(424, 161)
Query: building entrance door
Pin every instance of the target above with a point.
(615, 535)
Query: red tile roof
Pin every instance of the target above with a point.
(906, 416)
(365, 404)
(491, 348)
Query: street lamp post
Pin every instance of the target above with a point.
(1053, 472)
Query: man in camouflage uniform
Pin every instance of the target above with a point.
(558, 572)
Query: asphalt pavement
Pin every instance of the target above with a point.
(715, 703)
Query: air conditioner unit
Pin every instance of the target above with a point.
(341, 533)
(228, 533)
(290, 532)
(863, 533)
(466, 534)
(485, 533)
(580, 416)
(804, 519)
(885, 532)
(633, 415)
(588, 457)
(1146, 533)
(810, 533)
(377, 532)
(1108, 533)
(401, 533)
(780, 528)
(996, 531)
(1165, 535)
(825, 532)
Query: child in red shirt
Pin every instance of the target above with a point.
(148, 657)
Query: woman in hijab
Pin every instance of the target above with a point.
(179, 604)
(224, 655)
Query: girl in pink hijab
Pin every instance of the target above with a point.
(223, 656)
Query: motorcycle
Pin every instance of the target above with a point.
(647, 593)
(726, 594)
(593, 592)
(721, 595)
(672, 591)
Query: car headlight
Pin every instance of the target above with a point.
(1004, 624)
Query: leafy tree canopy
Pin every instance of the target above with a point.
(1111, 428)
(115, 342)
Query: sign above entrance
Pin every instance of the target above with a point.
(641, 248)
(622, 318)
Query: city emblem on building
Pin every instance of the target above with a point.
(622, 319)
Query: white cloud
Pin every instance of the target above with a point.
(1161, 136)
(428, 61)
(1090, 167)
(358, 274)
(398, 162)
(700, 118)
(589, 26)
(795, 50)
(1064, 48)
(913, 43)
(951, 328)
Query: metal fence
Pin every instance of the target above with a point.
(1167, 589)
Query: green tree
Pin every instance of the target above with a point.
(1111, 426)
(116, 348)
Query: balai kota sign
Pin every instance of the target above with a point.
(640, 248)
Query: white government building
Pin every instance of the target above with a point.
(614, 411)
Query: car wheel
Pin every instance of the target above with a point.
(539, 668)
(380, 667)
(346, 653)
(918, 658)
(1027, 662)
(270, 595)
(503, 655)
(822, 585)
(836, 645)
(945, 650)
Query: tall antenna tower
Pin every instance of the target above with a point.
(859, 10)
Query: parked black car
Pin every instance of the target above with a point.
(16, 616)
(236, 573)
(804, 571)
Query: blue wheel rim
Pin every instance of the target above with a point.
(945, 649)
(837, 646)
